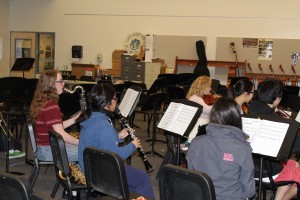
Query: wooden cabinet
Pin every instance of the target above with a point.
(79, 69)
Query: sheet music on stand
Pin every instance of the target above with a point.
(180, 117)
(270, 135)
(129, 101)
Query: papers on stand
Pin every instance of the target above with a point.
(177, 118)
(265, 137)
(129, 102)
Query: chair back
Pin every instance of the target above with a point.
(59, 154)
(14, 187)
(176, 183)
(105, 173)
(32, 137)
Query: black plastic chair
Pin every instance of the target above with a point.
(105, 173)
(61, 165)
(36, 165)
(176, 183)
(17, 188)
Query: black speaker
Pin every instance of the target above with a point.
(76, 51)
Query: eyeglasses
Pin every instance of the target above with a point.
(115, 98)
(59, 81)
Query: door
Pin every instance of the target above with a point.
(22, 45)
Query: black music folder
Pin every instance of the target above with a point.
(129, 101)
(180, 117)
(270, 135)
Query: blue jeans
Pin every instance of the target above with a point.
(139, 182)
(44, 153)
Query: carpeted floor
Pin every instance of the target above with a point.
(46, 179)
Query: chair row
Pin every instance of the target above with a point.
(105, 173)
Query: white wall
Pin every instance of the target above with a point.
(102, 25)
(4, 37)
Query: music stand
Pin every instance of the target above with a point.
(153, 104)
(286, 146)
(23, 64)
(190, 126)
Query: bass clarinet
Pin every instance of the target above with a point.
(82, 97)
(148, 166)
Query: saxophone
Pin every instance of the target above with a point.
(76, 173)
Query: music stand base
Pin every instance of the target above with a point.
(152, 152)
(150, 140)
(17, 173)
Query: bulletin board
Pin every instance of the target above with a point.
(281, 54)
(167, 47)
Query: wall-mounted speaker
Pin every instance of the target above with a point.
(76, 51)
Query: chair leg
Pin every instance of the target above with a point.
(55, 188)
(33, 175)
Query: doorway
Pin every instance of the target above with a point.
(37, 45)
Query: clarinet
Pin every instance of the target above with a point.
(148, 166)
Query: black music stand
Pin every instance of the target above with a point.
(153, 103)
(286, 146)
(191, 125)
(23, 64)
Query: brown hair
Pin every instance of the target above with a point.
(198, 87)
(45, 92)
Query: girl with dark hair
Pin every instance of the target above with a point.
(97, 131)
(224, 154)
(242, 92)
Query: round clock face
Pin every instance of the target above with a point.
(133, 42)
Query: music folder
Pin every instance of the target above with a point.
(129, 101)
(270, 135)
(180, 117)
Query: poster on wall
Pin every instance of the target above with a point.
(265, 49)
(250, 42)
